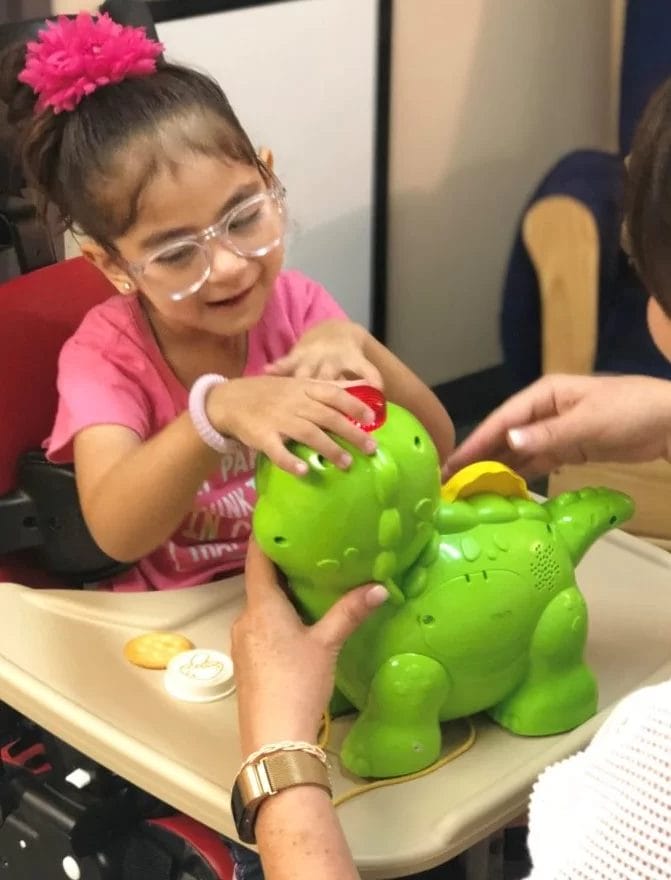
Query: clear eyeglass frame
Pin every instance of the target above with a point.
(220, 232)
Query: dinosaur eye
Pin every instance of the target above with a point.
(320, 462)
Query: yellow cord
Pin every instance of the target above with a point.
(325, 730)
(383, 783)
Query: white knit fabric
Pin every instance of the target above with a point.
(605, 814)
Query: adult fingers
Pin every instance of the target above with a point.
(348, 613)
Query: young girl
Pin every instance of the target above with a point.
(210, 351)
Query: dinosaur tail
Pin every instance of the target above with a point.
(583, 516)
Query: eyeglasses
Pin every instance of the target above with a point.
(251, 229)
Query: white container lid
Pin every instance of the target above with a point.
(200, 676)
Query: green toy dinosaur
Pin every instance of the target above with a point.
(484, 611)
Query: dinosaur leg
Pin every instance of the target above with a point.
(559, 691)
(398, 731)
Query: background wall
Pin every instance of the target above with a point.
(486, 95)
(282, 66)
(18, 10)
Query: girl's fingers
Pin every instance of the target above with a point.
(305, 371)
(310, 434)
(369, 373)
(278, 453)
(336, 423)
(281, 367)
(327, 372)
(336, 397)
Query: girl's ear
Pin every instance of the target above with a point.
(266, 156)
(97, 255)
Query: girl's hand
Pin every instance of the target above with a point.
(284, 670)
(331, 351)
(263, 412)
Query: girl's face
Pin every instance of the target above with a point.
(181, 202)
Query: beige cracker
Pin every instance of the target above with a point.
(154, 650)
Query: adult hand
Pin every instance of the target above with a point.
(573, 419)
(285, 669)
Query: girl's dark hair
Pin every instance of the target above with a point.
(648, 197)
(94, 162)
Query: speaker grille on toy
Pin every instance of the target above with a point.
(544, 566)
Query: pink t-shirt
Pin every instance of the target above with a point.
(111, 371)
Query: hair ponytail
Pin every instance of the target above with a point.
(31, 141)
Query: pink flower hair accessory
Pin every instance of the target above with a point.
(72, 57)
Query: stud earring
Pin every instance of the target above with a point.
(127, 286)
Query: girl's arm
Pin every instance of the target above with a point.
(134, 494)
(402, 386)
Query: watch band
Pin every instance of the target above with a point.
(267, 777)
(197, 399)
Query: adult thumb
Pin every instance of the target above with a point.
(348, 613)
(555, 436)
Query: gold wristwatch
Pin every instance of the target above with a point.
(268, 776)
